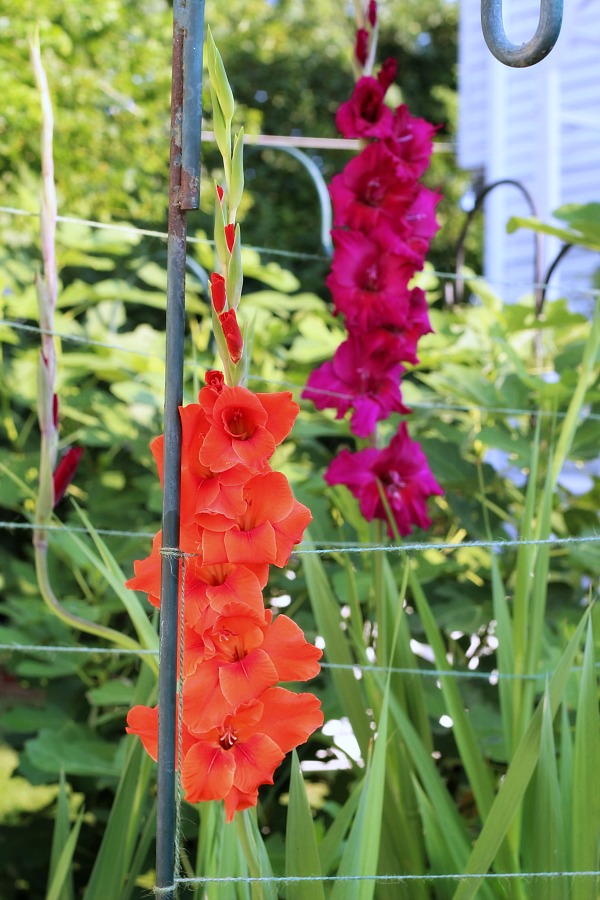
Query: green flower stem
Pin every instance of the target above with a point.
(40, 544)
(47, 291)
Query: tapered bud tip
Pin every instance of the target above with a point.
(230, 237)
(218, 292)
(372, 13)
(55, 410)
(220, 192)
(233, 335)
(65, 472)
(387, 73)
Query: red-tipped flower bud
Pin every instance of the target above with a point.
(55, 411)
(65, 472)
(361, 47)
(230, 237)
(220, 192)
(233, 335)
(217, 292)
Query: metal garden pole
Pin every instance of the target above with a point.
(184, 182)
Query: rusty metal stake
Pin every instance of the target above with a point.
(186, 92)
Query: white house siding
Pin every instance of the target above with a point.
(540, 126)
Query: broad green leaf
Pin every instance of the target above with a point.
(301, 851)
(75, 750)
(569, 237)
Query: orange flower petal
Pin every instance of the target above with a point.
(240, 586)
(251, 546)
(289, 718)
(213, 548)
(204, 706)
(207, 772)
(255, 761)
(289, 532)
(282, 411)
(236, 801)
(291, 654)
(247, 678)
(143, 721)
(269, 499)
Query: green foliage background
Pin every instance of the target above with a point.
(108, 66)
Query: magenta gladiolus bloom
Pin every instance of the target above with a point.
(411, 140)
(364, 375)
(365, 114)
(372, 187)
(369, 279)
(402, 471)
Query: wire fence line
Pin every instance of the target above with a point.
(384, 879)
(299, 388)
(327, 547)
(296, 254)
(492, 676)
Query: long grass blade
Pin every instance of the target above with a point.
(585, 824)
(361, 854)
(301, 851)
(517, 778)
(60, 836)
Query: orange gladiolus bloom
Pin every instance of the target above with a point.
(244, 427)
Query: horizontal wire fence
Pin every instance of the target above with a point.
(319, 548)
(294, 254)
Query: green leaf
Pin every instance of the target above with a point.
(327, 614)
(585, 823)
(301, 852)
(544, 832)
(256, 855)
(361, 854)
(517, 778)
(60, 883)
(75, 750)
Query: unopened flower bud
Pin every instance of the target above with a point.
(233, 335)
(217, 292)
(230, 237)
(361, 47)
(65, 472)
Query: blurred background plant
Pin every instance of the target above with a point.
(481, 380)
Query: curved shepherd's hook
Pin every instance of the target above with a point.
(532, 51)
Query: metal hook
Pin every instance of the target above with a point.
(532, 51)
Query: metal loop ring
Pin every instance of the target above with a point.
(532, 51)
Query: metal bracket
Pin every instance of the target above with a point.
(533, 51)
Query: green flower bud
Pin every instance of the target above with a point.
(235, 274)
(218, 79)
(220, 242)
(236, 187)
